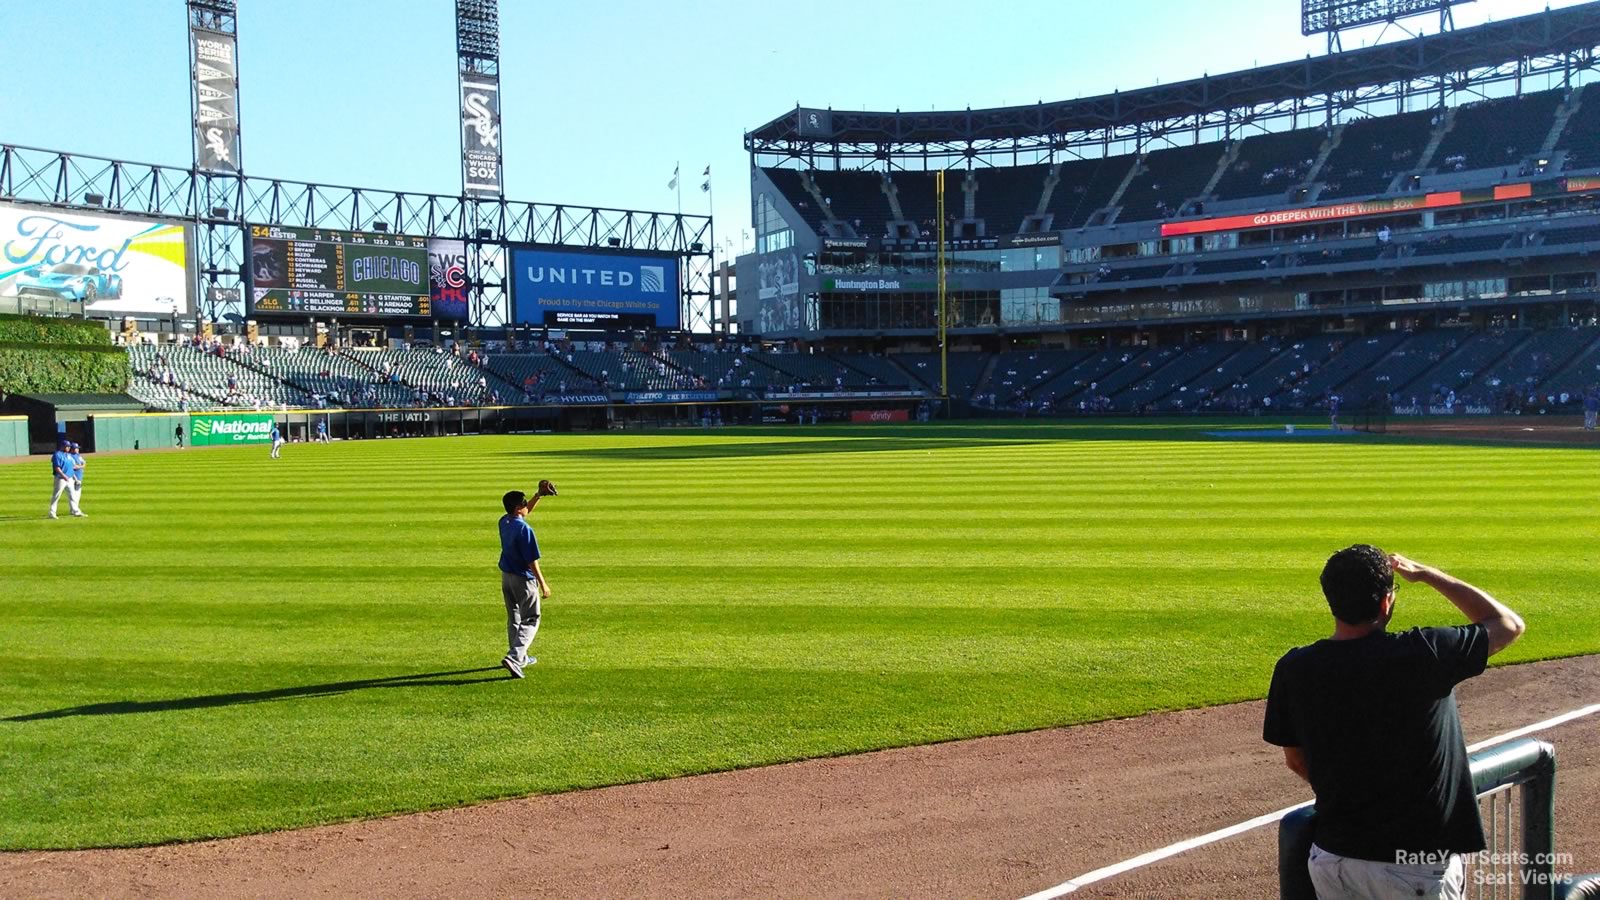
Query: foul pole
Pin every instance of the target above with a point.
(944, 355)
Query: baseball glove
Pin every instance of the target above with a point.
(547, 488)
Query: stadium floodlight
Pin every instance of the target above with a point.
(219, 212)
(93, 199)
(485, 234)
(615, 242)
(478, 29)
(1329, 16)
(380, 226)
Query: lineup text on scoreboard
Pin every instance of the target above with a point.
(322, 271)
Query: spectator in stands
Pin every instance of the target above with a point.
(1369, 720)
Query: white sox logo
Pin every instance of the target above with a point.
(480, 118)
(218, 145)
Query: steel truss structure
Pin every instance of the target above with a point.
(220, 205)
(1403, 75)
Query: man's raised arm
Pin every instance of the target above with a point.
(1503, 625)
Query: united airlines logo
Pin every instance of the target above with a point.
(653, 279)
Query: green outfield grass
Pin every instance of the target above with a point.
(234, 644)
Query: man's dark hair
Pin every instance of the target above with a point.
(1355, 581)
(514, 500)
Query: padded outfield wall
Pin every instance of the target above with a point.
(13, 436)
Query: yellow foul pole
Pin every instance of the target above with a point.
(944, 355)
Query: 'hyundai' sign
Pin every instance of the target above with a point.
(593, 289)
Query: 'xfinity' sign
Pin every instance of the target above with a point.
(594, 289)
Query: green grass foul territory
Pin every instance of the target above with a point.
(234, 644)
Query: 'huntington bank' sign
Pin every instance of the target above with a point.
(230, 428)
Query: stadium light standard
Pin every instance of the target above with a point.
(944, 352)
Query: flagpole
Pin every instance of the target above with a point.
(677, 180)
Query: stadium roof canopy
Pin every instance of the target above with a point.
(1448, 57)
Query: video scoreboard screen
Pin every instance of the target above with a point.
(318, 271)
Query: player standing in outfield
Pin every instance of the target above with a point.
(522, 582)
(1591, 407)
(1369, 719)
(77, 474)
(1333, 410)
(177, 436)
(322, 431)
(63, 472)
(277, 440)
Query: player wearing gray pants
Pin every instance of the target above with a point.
(522, 582)
(63, 472)
(522, 597)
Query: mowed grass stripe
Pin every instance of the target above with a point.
(234, 644)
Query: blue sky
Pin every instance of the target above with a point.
(601, 100)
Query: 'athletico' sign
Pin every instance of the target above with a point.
(230, 428)
(670, 396)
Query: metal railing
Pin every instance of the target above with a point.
(1515, 783)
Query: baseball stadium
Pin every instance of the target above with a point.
(970, 530)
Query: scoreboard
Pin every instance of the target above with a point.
(318, 271)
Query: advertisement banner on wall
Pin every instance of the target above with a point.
(216, 94)
(230, 428)
(103, 266)
(480, 136)
(869, 416)
(588, 289)
(447, 278)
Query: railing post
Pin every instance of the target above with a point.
(1539, 828)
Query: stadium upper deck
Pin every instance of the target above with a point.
(1306, 196)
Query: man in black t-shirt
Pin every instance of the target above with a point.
(1369, 719)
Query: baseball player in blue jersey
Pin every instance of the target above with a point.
(78, 467)
(64, 474)
(522, 582)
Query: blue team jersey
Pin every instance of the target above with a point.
(77, 462)
(518, 546)
(275, 432)
(60, 460)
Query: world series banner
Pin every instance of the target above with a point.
(216, 86)
(480, 136)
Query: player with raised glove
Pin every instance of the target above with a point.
(522, 581)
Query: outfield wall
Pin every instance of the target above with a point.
(135, 431)
(13, 435)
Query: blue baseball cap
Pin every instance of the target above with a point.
(72, 446)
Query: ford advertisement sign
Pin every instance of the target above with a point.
(590, 289)
(58, 262)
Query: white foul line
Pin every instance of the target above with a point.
(1145, 859)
